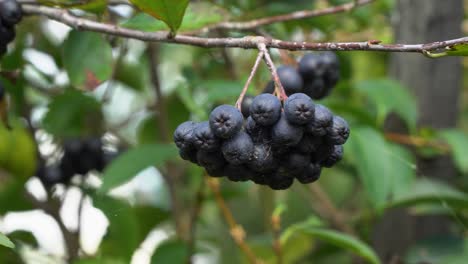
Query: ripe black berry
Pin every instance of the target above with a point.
(237, 173)
(284, 133)
(265, 109)
(334, 157)
(281, 180)
(311, 174)
(211, 161)
(323, 119)
(308, 144)
(290, 79)
(257, 132)
(204, 137)
(238, 149)
(10, 12)
(262, 159)
(183, 135)
(299, 109)
(316, 88)
(245, 106)
(338, 132)
(189, 154)
(312, 66)
(225, 121)
(7, 34)
(296, 163)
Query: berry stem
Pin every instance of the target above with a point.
(279, 89)
(249, 80)
(236, 230)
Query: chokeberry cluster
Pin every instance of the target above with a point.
(80, 156)
(10, 15)
(273, 145)
(316, 75)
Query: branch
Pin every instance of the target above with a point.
(236, 230)
(248, 42)
(249, 80)
(417, 141)
(279, 89)
(298, 15)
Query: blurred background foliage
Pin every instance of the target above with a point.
(66, 83)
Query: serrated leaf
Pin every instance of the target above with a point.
(458, 142)
(425, 191)
(6, 242)
(390, 96)
(127, 165)
(382, 168)
(87, 58)
(172, 251)
(169, 11)
(198, 15)
(338, 239)
(71, 113)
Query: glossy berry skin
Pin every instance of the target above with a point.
(334, 157)
(323, 119)
(299, 109)
(311, 174)
(338, 132)
(10, 12)
(290, 79)
(285, 134)
(238, 149)
(316, 88)
(265, 109)
(237, 173)
(225, 121)
(204, 138)
(245, 106)
(183, 135)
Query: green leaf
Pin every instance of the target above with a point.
(127, 165)
(458, 50)
(458, 142)
(311, 228)
(71, 113)
(169, 11)
(390, 96)
(5, 241)
(425, 191)
(383, 169)
(222, 90)
(87, 58)
(198, 15)
(172, 251)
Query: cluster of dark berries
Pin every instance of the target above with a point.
(79, 157)
(315, 76)
(10, 15)
(273, 145)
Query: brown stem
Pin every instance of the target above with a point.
(279, 89)
(276, 225)
(247, 42)
(162, 117)
(417, 141)
(236, 230)
(199, 198)
(249, 80)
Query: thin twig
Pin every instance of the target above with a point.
(417, 141)
(248, 42)
(249, 80)
(236, 230)
(276, 225)
(199, 198)
(279, 89)
(329, 210)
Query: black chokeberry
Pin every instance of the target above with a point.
(299, 109)
(238, 149)
(290, 79)
(265, 109)
(237, 173)
(338, 132)
(211, 161)
(10, 12)
(183, 135)
(296, 163)
(322, 121)
(311, 174)
(308, 143)
(262, 159)
(257, 132)
(245, 106)
(312, 66)
(204, 138)
(281, 180)
(225, 121)
(285, 134)
(334, 157)
(189, 154)
(316, 88)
